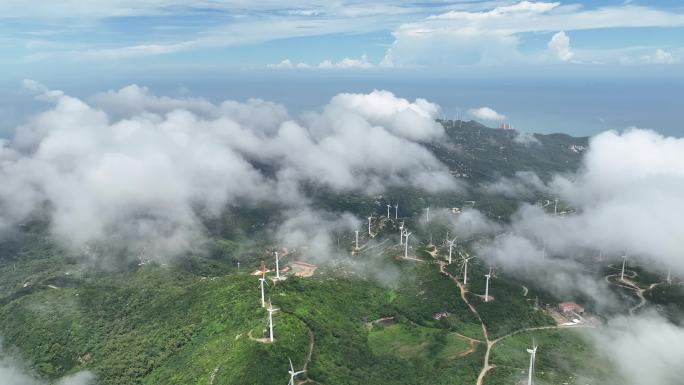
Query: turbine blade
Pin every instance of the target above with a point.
(291, 366)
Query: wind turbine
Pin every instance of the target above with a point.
(356, 232)
(465, 269)
(451, 246)
(533, 356)
(488, 276)
(293, 374)
(277, 266)
(388, 207)
(369, 223)
(669, 275)
(396, 210)
(406, 234)
(555, 207)
(427, 214)
(270, 310)
(401, 233)
(262, 280)
(622, 273)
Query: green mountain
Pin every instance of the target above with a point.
(371, 319)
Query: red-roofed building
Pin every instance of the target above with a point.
(570, 307)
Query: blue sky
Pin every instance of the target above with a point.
(228, 49)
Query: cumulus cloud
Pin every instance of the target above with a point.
(560, 46)
(12, 372)
(525, 138)
(486, 113)
(626, 198)
(287, 64)
(312, 232)
(659, 57)
(646, 349)
(492, 36)
(523, 185)
(346, 63)
(531, 259)
(469, 223)
(142, 171)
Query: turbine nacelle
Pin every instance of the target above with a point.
(293, 373)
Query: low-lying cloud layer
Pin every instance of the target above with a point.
(625, 200)
(646, 349)
(142, 170)
(12, 372)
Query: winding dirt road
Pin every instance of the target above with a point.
(486, 365)
(312, 344)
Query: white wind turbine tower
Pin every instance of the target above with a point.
(488, 276)
(406, 234)
(622, 273)
(401, 233)
(669, 275)
(356, 232)
(262, 280)
(555, 206)
(396, 210)
(533, 356)
(369, 224)
(270, 310)
(293, 374)
(465, 269)
(388, 208)
(427, 214)
(277, 266)
(451, 244)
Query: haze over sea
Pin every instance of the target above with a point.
(576, 106)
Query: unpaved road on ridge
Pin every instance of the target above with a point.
(486, 366)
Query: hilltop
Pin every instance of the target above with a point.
(366, 316)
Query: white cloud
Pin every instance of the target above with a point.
(647, 349)
(287, 64)
(133, 51)
(627, 198)
(12, 372)
(560, 46)
(523, 185)
(493, 36)
(501, 12)
(486, 113)
(346, 63)
(95, 9)
(659, 57)
(525, 138)
(142, 171)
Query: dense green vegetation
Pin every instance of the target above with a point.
(198, 320)
(563, 357)
(408, 341)
(155, 324)
(670, 299)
